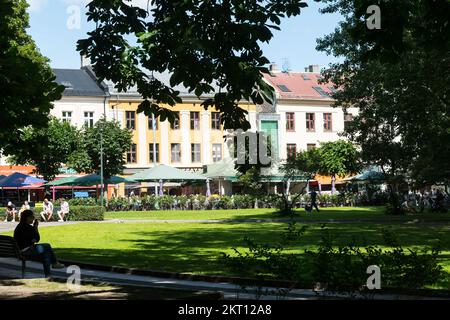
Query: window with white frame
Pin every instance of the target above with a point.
(67, 116)
(89, 119)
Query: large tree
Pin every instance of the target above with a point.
(398, 78)
(46, 148)
(27, 82)
(201, 43)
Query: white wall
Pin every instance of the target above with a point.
(301, 137)
(79, 105)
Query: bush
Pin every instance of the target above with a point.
(89, 213)
(83, 202)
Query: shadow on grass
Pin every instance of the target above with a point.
(198, 250)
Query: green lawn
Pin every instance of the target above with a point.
(196, 247)
(339, 213)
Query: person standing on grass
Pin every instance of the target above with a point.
(48, 210)
(64, 210)
(27, 237)
(314, 200)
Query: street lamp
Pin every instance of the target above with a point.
(101, 167)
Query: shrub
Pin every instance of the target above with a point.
(89, 213)
(83, 202)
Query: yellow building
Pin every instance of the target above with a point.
(194, 140)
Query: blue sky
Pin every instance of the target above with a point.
(295, 42)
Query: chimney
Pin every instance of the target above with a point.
(315, 68)
(85, 61)
(273, 67)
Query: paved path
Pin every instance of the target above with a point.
(10, 269)
(10, 226)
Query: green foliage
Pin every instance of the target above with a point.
(397, 77)
(336, 268)
(338, 158)
(83, 202)
(46, 148)
(26, 80)
(88, 213)
(199, 42)
(116, 142)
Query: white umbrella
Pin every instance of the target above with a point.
(208, 188)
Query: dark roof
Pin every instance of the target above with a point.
(79, 82)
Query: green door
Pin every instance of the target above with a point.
(271, 129)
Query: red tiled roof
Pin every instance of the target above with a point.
(299, 87)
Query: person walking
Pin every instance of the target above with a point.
(27, 237)
(48, 210)
(314, 200)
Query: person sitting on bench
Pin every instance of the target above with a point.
(27, 236)
(47, 214)
(64, 210)
(10, 211)
(25, 206)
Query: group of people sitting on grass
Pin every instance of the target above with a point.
(46, 214)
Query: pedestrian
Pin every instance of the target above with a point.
(25, 206)
(314, 200)
(27, 237)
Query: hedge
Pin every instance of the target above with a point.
(93, 213)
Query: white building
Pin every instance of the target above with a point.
(303, 114)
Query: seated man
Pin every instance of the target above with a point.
(47, 214)
(25, 206)
(27, 236)
(10, 211)
(64, 210)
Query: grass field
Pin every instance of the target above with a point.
(339, 213)
(197, 247)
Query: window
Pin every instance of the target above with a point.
(132, 154)
(89, 119)
(291, 150)
(290, 121)
(176, 123)
(283, 88)
(175, 151)
(348, 118)
(130, 117)
(217, 152)
(327, 122)
(195, 120)
(310, 146)
(215, 120)
(310, 122)
(150, 123)
(322, 92)
(305, 77)
(154, 150)
(195, 152)
(67, 116)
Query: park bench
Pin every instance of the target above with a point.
(9, 249)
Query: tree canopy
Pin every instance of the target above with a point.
(26, 80)
(116, 142)
(201, 43)
(398, 78)
(46, 148)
